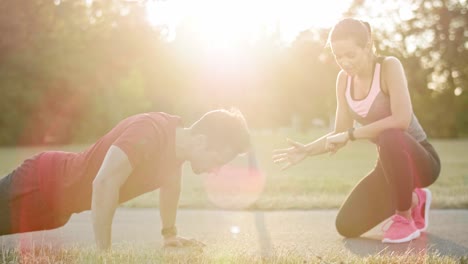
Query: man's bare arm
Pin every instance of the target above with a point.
(114, 171)
(169, 200)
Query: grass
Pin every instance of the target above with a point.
(131, 254)
(317, 183)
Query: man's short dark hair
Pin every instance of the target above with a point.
(224, 128)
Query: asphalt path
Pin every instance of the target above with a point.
(309, 233)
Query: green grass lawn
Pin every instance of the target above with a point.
(318, 182)
(132, 254)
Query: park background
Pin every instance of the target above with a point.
(70, 70)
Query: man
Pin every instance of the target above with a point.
(142, 153)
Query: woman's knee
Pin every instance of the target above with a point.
(346, 228)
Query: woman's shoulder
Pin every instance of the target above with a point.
(391, 66)
(341, 80)
(389, 61)
(342, 77)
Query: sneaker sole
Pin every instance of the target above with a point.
(426, 209)
(412, 236)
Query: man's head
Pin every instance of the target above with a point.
(217, 138)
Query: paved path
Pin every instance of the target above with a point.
(255, 232)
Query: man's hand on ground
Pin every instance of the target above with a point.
(180, 242)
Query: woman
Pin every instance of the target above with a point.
(373, 91)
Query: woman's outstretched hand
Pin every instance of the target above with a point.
(290, 156)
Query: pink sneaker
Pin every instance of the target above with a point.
(401, 230)
(420, 212)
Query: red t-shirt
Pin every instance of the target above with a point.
(148, 139)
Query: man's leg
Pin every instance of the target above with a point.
(22, 204)
(368, 204)
(5, 214)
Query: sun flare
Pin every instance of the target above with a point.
(223, 23)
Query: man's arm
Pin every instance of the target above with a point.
(114, 171)
(169, 195)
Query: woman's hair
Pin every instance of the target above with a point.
(350, 28)
(224, 128)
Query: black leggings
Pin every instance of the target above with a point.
(403, 164)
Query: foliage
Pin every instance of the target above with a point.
(69, 70)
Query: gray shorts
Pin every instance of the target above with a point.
(22, 206)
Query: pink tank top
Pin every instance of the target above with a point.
(376, 105)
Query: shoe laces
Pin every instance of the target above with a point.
(395, 219)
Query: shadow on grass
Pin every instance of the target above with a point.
(426, 243)
(264, 238)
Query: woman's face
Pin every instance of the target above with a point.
(349, 56)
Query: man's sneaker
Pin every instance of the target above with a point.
(420, 212)
(401, 230)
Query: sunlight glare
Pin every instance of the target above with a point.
(222, 23)
(89, 3)
(235, 230)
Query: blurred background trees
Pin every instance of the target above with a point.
(70, 70)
